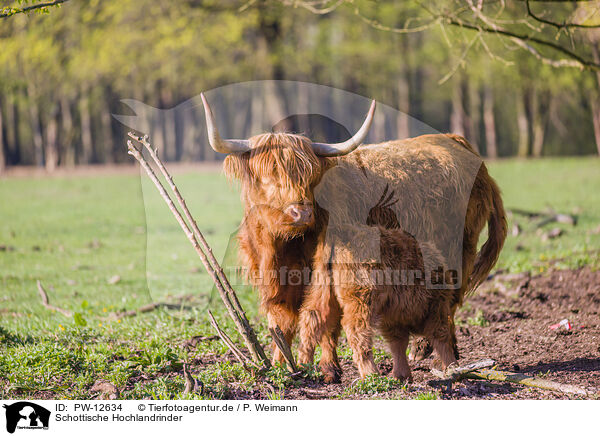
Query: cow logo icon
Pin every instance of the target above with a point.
(26, 415)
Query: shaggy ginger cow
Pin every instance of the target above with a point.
(319, 264)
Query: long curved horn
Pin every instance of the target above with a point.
(342, 148)
(216, 142)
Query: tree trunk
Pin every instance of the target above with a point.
(51, 146)
(539, 114)
(522, 126)
(2, 155)
(457, 116)
(189, 142)
(13, 145)
(596, 118)
(472, 117)
(168, 123)
(107, 137)
(595, 105)
(67, 148)
(403, 120)
(87, 144)
(418, 77)
(36, 129)
(274, 105)
(489, 123)
(378, 130)
(256, 113)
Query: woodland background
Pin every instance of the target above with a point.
(455, 65)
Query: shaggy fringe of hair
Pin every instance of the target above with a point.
(287, 158)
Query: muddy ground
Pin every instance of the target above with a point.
(508, 321)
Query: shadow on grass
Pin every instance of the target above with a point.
(11, 339)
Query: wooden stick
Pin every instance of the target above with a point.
(144, 309)
(46, 301)
(283, 346)
(191, 384)
(257, 352)
(250, 338)
(546, 217)
(480, 371)
(513, 377)
(453, 374)
(227, 340)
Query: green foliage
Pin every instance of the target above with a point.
(52, 225)
(373, 384)
(94, 53)
(478, 320)
(426, 396)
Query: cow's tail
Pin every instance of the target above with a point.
(497, 230)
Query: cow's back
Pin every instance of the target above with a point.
(427, 183)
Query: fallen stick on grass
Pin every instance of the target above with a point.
(199, 243)
(534, 382)
(480, 370)
(144, 309)
(191, 384)
(453, 374)
(46, 301)
(546, 217)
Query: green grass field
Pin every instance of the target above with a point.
(104, 244)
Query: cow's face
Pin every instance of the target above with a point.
(278, 176)
(279, 171)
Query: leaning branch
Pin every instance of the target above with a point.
(215, 266)
(238, 317)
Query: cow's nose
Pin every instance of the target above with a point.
(300, 213)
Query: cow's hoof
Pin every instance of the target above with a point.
(331, 374)
(402, 377)
(420, 349)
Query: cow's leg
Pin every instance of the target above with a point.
(441, 334)
(284, 316)
(320, 323)
(445, 351)
(330, 365)
(420, 349)
(355, 321)
(398, 342)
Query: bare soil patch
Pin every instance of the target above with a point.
(515, 331)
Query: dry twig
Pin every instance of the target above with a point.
(46, 301)
(191, 384)
(514, 377)
(144, 309)
(283, 346)
(202, 249)
(227, 340)
(481, 371)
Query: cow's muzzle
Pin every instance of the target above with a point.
(300, 214)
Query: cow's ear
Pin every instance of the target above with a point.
(236, 166)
